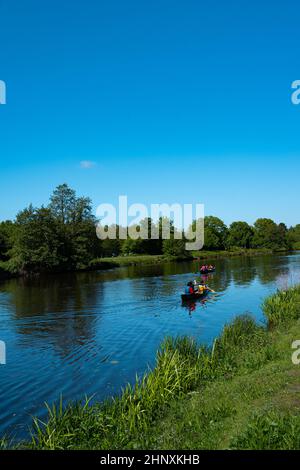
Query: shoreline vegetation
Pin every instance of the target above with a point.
(62, 237)
(240, 393)
(146, 260)
(134, 260)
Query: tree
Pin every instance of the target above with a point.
(282, 235)
(38, 243)
(63, 204)
(110, 247)
(174, 247)
(6, 239)
(293, 236)
(267, 234)
(83, 242)
(215, 232)
(240, 234)
(78, 225)
(60, 237)
(131, 246)
(151, 246)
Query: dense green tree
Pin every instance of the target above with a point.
(63, 204)
(267, 234)
(38, 244)
(132, 247)
(239, 234)
(283, 239)
(6, 239)
(83, 242)
(215, 233)
(62, 236)
(152, 246)
(174, 247)
(293, 236)
(78, 225)
(109, 247)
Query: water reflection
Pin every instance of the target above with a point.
(58, 310)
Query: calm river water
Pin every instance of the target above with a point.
(90, 333)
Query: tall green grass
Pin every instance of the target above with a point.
(283, 307)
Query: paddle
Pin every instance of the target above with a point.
(211, 290)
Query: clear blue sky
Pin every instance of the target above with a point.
(173, 101)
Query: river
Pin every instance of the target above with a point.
(90, 333)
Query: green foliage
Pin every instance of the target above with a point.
(240, 235)
(110, 247)
(38, 243)
(215, 233)
(6, 237)
(174, 247)
(63, 204)
(63, 237)
(267, 234)
(131, 246)
(270, 430)
(282, 307)
(294, 236)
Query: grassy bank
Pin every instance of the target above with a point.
(240, 393)
(135, 260)
(132, 260)
(231, 253)
(102, 264)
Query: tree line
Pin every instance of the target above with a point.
(62, 236)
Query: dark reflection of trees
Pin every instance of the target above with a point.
(243, 270)
(268, 268)
(63, 305)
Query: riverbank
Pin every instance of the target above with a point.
(139, 260)
(241, 393)
(102, 264)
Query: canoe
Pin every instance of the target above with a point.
(207, 271)
(195, 296)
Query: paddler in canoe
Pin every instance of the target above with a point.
(194, 290)
(206, 269)
(189, 288)
(201, 287)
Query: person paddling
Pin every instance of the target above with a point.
(189, 288)
(205, 286)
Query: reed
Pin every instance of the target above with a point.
(283, 307)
